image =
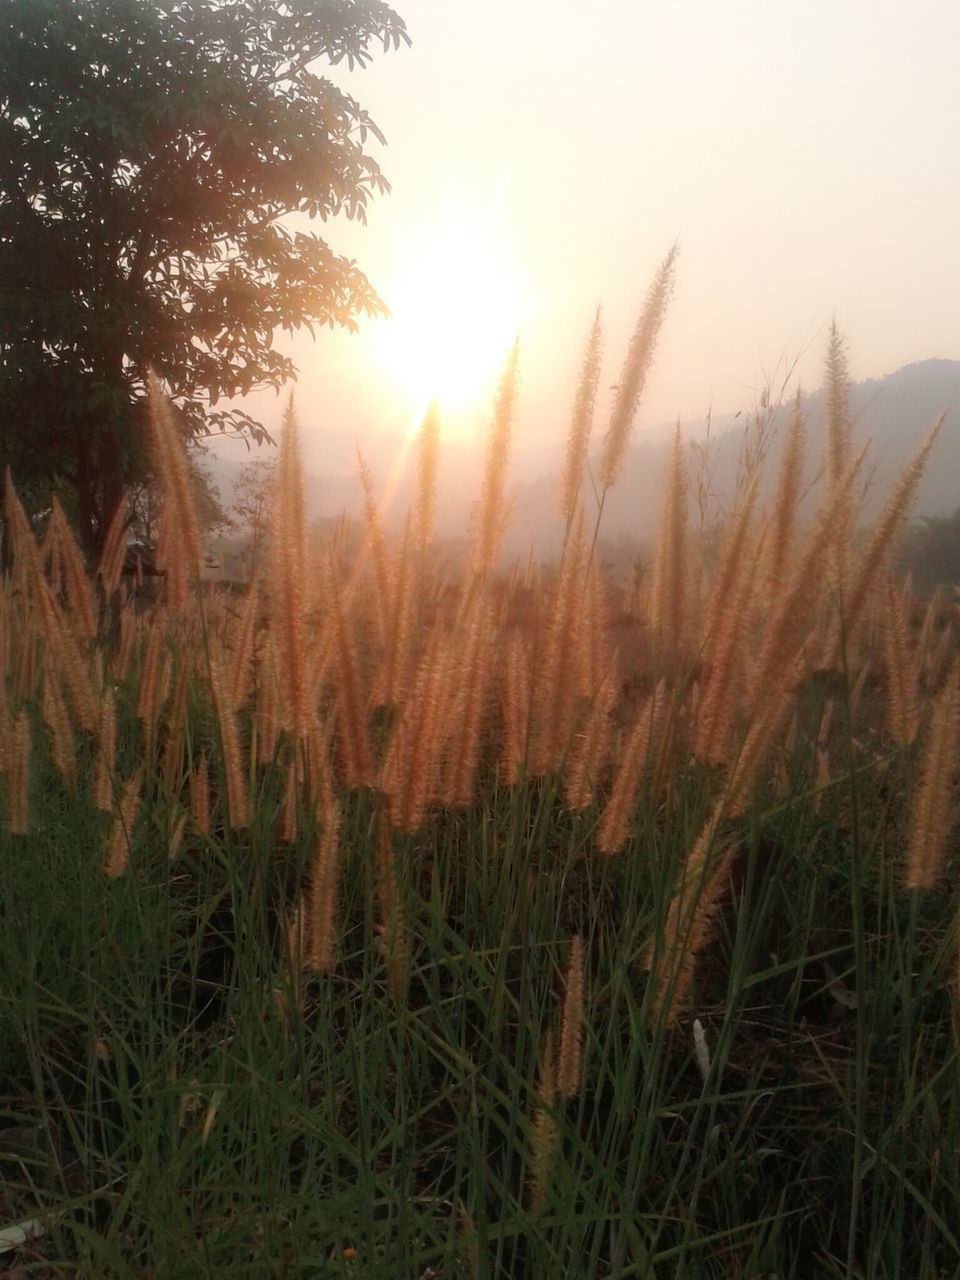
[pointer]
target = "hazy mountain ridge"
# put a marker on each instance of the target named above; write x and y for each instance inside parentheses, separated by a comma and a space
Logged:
(893, 412)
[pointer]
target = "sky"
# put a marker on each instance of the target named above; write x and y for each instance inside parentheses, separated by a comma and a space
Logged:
(804, 156)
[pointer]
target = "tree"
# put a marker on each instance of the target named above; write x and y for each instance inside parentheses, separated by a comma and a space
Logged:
(151, 154)
(252, 500)
(930, 551)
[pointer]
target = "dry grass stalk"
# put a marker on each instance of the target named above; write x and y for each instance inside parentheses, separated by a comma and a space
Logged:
(238, 808)
(838, 457)
(885, 531)
(103, 778)
(427, 456)
(558, 680)
(635, 370)
(117, 854)
(468, 708)
(76, 582)
(398, 611)
(689, 922)
(63, 747)
(543, 1135)
(353, 749)
(569, 1051)
(393, 941)
(590, 747)
(903, 716)
(615, 822)
(199, 786)
(320, 904)
(515, 706)
(17, 761)
(783, 524)
(791, 612)
(581, 425)
(147, 698)
(240, 676)
(288, 579)
(179, 546)
(490, 513)
(113, 552)
(933, 807)
(723, 682)
(376, 543)
(411, 763)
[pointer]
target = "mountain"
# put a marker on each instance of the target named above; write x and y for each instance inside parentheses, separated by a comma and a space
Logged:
(892, 412)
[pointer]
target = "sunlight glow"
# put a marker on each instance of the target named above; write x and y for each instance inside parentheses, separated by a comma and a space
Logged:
(455, 311)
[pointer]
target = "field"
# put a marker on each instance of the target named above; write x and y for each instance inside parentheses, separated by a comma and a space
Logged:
(372, 923)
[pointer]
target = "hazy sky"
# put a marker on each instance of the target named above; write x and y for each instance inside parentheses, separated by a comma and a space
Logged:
(805, 155)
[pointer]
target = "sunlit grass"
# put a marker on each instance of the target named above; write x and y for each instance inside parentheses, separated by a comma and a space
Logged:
(376, 924)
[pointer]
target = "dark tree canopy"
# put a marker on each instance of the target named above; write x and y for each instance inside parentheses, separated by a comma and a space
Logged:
(150, 154)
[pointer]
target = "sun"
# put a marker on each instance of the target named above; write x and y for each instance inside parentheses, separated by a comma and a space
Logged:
(455, 312)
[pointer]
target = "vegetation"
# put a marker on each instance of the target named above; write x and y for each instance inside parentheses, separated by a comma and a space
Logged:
(150, 157)
(375, 924)
(930, 552)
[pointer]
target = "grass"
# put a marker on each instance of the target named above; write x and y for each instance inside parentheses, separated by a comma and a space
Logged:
(531, 927)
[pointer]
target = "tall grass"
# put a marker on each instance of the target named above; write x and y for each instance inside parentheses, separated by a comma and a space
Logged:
(521, 925)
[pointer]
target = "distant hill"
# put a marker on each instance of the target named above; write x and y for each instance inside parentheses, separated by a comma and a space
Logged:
(893, 412)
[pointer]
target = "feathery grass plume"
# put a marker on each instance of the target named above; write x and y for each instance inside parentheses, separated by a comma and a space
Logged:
(112, 554)
(412, 759)
(581, 425)
(82, 606)
(179, 546)
(688, 925)
(555, 693)
(288, 579)
(428, 440)
(103, 777)
(175, 731)
(240, 676)
(788, 626)
(670, 566)
(117, 854)
(838, 456)
(615, 822)
(479, 646)
(320, 898)
(374, 540)
(781, 529)
(489, 526)
(63, 747)
(724, 646)
(238, 810)
(515, 706)
(267, 709)
(590, 748)
(885, 531)
(635, 370)
(199, 786)
(903, 717)
(28, 577)
(569, 1050)
(933, 806)
(64, 654)
(543, 1134)
(18, 776)
(354, 752)
(147, 698)
(397, 609)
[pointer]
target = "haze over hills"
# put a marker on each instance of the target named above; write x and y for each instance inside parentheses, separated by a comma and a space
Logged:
(893, 412)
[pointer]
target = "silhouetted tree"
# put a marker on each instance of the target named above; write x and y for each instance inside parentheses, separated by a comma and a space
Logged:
(151, 152)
